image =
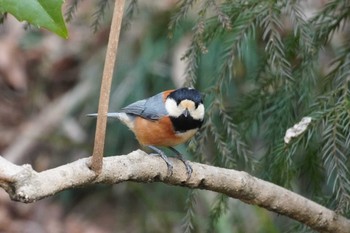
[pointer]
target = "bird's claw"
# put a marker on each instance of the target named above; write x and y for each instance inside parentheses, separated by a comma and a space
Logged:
(189, 169)
(170, 168)
(165, 158)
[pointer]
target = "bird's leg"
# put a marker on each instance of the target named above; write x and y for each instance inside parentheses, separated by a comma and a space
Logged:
(164, 157)
(189, 169)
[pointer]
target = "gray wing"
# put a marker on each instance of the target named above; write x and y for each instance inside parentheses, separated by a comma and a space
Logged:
(152, 108)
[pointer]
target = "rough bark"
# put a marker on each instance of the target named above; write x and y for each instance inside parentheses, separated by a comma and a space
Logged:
(26, 185)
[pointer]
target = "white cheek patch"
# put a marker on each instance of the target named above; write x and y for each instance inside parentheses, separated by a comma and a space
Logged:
(172, 108)
(198, 113)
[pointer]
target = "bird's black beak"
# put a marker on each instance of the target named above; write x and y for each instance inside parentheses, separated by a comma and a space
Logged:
(186, 113)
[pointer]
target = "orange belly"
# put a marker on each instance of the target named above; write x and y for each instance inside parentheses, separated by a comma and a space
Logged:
(159, 133)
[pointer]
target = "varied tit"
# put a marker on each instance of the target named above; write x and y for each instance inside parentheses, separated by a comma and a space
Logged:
(167, 119)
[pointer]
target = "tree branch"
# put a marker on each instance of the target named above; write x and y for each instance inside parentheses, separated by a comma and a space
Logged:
(26, 185)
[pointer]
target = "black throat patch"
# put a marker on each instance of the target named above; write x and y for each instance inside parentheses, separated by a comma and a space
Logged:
(182, 124)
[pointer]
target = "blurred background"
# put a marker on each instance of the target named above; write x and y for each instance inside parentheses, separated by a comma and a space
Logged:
(48, 85)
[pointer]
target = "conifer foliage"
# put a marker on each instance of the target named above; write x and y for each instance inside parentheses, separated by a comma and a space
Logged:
(276, 64)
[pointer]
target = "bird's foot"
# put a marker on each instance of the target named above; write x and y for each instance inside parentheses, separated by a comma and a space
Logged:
(189, 169)
(165, 158)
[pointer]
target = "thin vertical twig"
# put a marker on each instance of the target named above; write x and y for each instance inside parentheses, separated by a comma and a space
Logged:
(97, 155)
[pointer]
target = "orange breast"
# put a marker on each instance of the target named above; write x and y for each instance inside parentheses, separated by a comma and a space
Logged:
(158, 133)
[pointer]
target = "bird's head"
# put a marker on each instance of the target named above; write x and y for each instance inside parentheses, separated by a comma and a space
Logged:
(185, 103)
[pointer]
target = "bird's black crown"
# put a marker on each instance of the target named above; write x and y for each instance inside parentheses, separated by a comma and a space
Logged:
(186, 93)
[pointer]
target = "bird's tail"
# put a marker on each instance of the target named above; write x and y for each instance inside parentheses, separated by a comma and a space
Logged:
(127, 119)
(91, 115)
(110, 115)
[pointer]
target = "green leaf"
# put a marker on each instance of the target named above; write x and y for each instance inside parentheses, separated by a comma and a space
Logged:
(40, 13)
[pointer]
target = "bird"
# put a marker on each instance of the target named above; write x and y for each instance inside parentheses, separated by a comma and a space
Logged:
(166, 119)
